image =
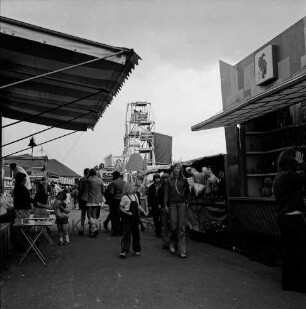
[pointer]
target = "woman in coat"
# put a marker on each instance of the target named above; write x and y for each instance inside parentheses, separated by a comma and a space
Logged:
(175, 200)
(95, 201)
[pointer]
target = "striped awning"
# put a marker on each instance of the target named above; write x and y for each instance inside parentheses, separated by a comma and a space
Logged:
(282, 95)
(58, 80)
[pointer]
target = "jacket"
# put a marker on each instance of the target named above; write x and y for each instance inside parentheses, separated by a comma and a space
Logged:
(115, 188)
(95, 190)
(83, 189)
(153, 197)
(176, 190)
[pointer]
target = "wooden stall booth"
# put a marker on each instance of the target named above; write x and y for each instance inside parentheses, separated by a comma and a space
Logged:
(207, 211)
(264, 112)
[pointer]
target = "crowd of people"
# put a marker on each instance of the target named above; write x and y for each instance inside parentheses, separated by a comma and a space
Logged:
(167, 201)
(125, 207)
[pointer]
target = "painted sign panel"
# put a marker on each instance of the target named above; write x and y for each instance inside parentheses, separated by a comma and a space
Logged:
(265, 68)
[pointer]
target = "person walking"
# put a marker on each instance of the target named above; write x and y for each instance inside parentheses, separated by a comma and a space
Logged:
(165, 224)
(62, 214)
(83, 198)
(115, 190)
(153, 205)
(288, 191)
(108, 201)
(96, 190)
(175, 200)
(130, 207)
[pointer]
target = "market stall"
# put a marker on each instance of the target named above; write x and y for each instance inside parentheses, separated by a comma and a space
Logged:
(56, 80)
(207, 211)
(264, 112)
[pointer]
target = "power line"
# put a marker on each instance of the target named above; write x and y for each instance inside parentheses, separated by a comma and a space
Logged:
(72, 147)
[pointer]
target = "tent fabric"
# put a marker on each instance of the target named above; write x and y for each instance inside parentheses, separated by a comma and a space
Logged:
(193, 161)
(286, 94)
(162, 148)
(56, 168)
(73, 98)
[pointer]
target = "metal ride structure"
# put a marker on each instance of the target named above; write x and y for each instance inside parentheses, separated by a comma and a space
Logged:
(139, 131)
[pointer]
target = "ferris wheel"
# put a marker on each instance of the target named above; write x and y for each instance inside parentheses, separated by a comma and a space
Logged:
(139, 131)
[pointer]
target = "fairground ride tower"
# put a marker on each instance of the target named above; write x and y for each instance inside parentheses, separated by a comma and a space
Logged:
(139, 131)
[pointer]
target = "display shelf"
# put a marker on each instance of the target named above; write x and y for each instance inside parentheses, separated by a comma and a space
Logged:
(264, 138)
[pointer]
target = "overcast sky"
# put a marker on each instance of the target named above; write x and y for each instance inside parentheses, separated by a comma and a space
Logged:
(180, 43)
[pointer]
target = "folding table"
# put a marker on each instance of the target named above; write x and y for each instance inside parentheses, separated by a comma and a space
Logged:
(41, 224)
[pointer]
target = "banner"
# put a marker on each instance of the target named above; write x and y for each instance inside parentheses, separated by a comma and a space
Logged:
(162, 148)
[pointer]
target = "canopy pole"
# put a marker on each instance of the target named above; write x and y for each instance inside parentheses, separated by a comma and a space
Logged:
(59, 70)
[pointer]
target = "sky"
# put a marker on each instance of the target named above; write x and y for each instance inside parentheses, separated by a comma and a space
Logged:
(180, 43)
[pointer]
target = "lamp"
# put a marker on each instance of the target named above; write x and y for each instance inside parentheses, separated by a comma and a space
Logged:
(32, 144)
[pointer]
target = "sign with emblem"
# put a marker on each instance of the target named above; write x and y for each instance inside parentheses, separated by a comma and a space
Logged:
(265, 67)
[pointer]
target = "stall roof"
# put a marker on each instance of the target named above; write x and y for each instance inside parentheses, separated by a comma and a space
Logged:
(190, 162)
(58, 80)
(26, 161)
(285, 94)
(56, 168)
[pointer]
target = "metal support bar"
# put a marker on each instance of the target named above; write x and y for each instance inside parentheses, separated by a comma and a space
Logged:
(39, 144)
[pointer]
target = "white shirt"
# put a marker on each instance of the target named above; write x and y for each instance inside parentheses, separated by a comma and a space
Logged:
(126, 202)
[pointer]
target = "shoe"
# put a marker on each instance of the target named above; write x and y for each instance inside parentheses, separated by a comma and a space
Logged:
(143, 229)
(66, 243)
(122, 255)
(94, 234)
(81, 233)
(60, 243)
(172, 249)
(183, 255)
(137, 253)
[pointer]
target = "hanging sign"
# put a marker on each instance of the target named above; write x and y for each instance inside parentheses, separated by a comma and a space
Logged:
(265, 67)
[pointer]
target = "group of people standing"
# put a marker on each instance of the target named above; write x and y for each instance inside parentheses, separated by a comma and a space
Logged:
(124, 207)
(168, 196)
